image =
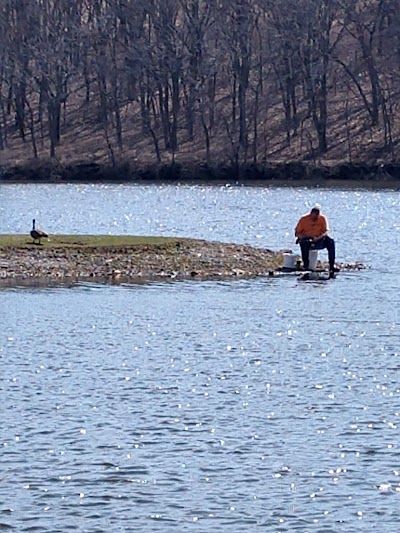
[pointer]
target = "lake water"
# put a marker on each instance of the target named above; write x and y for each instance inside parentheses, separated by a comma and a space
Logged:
(269, 404)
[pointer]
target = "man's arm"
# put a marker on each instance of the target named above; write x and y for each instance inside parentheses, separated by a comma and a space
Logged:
(324, 229)
(320, 237)
(299, 231)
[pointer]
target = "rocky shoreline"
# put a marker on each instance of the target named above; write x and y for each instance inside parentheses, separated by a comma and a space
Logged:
(186, 259)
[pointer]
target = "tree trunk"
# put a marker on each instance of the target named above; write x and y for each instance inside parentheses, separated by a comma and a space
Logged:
(144, 106)
(175, 110)
(243, 84)
(374, 80)
(234, 98)
(102, 85)
(54, 112)
(156, 145)
(206, 134)
(20, 99)
(3, 131)
(212, 84)
(32, 130)
(163, 97)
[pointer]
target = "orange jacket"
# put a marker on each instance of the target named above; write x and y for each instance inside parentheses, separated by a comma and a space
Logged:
(312, 228)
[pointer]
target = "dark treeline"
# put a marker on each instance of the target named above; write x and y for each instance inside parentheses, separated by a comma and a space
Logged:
(201, 73)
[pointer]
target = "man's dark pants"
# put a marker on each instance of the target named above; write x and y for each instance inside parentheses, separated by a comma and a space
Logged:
(327, 242)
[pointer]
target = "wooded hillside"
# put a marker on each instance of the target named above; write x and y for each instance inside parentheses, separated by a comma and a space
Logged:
(147, 81)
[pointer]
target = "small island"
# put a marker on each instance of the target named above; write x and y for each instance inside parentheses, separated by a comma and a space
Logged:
(134, 259)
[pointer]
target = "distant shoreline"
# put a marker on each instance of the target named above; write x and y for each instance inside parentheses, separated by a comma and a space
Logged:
(282, 174)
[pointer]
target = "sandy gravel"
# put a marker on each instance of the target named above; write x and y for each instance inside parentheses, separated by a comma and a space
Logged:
(192, 260)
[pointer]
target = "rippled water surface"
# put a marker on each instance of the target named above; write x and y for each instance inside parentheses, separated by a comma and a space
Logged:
(270, 404)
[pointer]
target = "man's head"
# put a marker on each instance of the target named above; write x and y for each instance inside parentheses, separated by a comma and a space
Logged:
(315, 211)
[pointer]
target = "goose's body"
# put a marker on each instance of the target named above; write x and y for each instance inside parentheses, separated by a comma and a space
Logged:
(37, 233)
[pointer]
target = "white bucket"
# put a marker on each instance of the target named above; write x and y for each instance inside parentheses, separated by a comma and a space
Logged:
(312, 259)
(289, 260)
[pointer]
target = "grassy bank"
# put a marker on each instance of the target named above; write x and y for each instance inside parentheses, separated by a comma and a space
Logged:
(134, 259)
(86, 242)
(130, 257)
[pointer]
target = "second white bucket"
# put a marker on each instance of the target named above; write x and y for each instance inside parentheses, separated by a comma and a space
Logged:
(312, 259)
(289, 260)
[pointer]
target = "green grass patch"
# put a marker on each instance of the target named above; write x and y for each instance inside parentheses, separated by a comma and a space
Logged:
(88, 241)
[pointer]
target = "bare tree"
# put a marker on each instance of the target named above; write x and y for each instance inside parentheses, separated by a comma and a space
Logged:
(284, 49)
(362, 19)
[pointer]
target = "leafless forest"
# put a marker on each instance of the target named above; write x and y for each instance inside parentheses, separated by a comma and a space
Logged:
(236, 81)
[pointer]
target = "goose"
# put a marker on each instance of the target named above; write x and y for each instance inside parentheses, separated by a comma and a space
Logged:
(37, 234)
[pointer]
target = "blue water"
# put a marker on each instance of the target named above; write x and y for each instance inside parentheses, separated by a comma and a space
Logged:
(268, 404)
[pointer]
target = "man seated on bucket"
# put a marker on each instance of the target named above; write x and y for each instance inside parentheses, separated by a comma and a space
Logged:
(312, 234)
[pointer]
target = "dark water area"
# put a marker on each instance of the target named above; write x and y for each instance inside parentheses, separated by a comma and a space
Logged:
(267, 404)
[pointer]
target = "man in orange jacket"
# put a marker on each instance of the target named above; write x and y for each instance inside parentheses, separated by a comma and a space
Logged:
(312, 234)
